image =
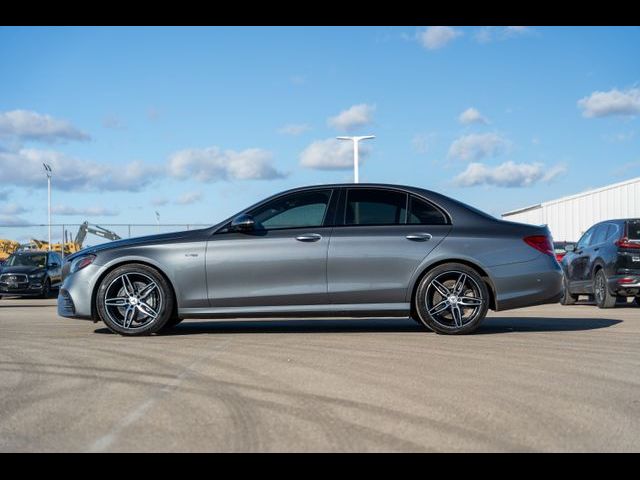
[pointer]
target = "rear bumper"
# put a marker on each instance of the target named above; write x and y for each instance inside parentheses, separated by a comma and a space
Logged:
(629, 289)
(526, 284)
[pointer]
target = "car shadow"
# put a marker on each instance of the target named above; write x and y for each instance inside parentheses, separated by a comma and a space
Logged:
(377, 325)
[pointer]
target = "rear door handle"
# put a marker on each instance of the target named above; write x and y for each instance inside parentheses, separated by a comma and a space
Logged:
(419, 237)
(309, 237)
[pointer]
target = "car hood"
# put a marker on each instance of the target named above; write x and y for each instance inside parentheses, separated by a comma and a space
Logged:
(127, 242)
(25, 270)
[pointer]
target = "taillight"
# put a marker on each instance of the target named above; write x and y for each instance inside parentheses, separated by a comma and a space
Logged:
(625, 243)
(542, 243)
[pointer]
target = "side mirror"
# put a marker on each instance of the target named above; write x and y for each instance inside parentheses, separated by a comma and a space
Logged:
(570, 247)
(243, 223)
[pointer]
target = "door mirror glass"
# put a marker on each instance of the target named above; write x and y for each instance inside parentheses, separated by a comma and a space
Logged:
(570, 247)
(243, 223)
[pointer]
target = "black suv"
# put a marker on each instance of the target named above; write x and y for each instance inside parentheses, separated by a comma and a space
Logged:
(30, 273)
(605, 264)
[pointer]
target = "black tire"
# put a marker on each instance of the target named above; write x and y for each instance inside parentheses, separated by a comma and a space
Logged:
(470, 300)
(567, 298)
(602, 296)
(172, 322)
(46, 289)
(134, 300)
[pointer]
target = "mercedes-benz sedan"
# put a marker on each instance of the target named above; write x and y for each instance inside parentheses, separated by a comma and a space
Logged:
(352, 250)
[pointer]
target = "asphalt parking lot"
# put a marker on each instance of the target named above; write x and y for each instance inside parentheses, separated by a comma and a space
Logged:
(548, 378)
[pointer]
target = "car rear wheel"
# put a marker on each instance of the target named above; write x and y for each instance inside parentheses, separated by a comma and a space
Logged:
(603, 297)
(567, 298)
(452, 299)
(134, 300)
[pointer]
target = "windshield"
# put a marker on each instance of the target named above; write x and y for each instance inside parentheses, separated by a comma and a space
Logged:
(634, 230)
(38, 260)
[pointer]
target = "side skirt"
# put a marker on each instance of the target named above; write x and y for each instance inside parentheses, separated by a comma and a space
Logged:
(301, 311)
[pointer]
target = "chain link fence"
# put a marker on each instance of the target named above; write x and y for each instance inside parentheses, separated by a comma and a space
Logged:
(68, 232)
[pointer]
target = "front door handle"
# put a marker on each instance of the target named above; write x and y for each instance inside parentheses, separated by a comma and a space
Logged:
(419, 237)
(309, 237)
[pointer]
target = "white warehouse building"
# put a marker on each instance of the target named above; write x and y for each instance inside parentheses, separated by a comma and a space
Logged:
(569, 217)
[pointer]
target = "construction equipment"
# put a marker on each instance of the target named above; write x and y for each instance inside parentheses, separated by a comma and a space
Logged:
(7, 247)
(96, 230)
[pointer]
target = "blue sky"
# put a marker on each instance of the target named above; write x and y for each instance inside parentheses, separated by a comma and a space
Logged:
(197, 123)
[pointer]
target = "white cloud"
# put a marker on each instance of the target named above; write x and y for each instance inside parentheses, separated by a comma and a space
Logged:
(28, 125)
(613, 102)
(113, 122)
(24, 167)
(331, 154)
(12, 220)
(422, 142)
(188, 198)
(212, 163)
(65, 210)
(489, 34)
(13, 209)
(626, 168)
(471, 115)
(433, 38)
(294, 129)
(352, 118)
(477, 146)
(508, 174)
(159, 202)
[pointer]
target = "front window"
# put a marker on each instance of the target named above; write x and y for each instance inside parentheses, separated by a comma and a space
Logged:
(298, 210)
(39, 260)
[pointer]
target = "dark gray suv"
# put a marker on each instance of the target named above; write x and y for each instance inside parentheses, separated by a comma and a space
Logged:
(354, 250)
(605, 263)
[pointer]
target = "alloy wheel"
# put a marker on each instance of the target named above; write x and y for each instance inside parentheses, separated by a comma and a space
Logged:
(453, 299)
(133, 300)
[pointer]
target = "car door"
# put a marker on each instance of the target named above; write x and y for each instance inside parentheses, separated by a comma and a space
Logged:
(283, 262)
(55, 268)
(380, 238)
(577, 263)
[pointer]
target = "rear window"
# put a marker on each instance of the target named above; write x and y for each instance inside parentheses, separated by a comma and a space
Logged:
(633, 230)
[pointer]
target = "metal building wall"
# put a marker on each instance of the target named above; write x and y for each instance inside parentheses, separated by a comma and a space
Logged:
(569, 217)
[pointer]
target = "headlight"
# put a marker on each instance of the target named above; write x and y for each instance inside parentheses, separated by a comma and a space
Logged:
(37, 275)
(81, 262)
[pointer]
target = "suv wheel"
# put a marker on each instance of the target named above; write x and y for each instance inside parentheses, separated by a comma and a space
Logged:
(134, 300)
(452, 299)
(603, 297)
(46, 289)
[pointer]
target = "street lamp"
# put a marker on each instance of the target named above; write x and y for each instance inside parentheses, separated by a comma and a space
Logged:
(48, 172)
(356, 158)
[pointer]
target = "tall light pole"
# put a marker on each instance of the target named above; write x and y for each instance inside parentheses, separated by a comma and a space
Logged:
(47, 170)
(356, 156)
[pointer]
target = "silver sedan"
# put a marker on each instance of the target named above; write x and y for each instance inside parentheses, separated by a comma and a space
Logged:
(352, 250)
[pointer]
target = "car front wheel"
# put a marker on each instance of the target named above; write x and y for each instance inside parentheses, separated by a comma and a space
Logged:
(134, 300)
(602, 296)
(452, 299)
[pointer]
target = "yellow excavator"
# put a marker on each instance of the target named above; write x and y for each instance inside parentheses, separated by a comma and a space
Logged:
(7, 247)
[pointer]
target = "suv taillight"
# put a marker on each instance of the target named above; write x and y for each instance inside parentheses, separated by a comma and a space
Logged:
(542, 243)
(625, 243)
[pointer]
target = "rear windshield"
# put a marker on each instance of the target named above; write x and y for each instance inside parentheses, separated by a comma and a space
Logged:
(633, 229)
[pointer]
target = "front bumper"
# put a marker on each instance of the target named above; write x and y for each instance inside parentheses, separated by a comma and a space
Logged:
(526, 284)
(34, 288)
(75, 295)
